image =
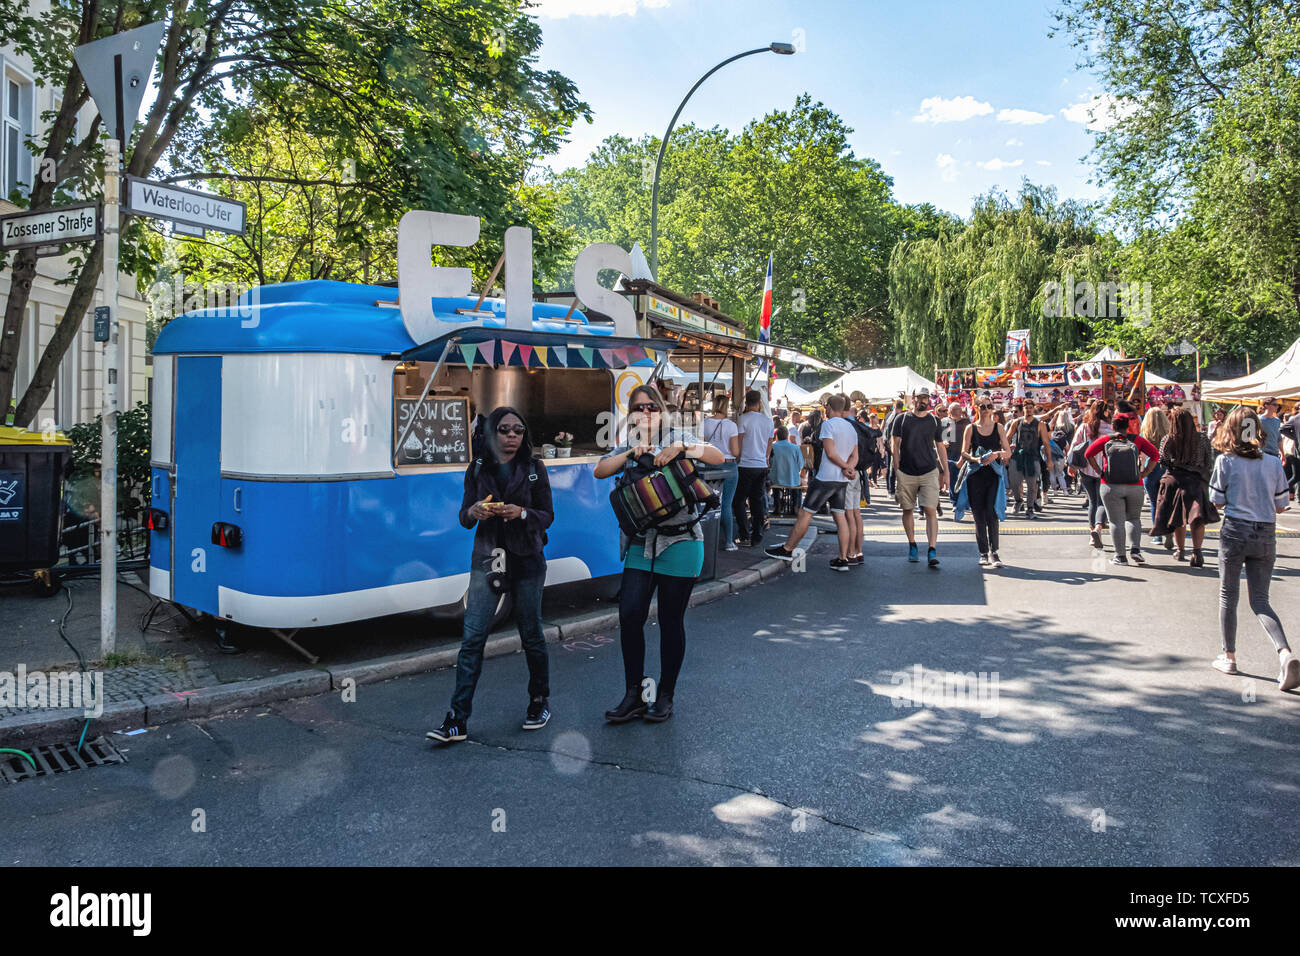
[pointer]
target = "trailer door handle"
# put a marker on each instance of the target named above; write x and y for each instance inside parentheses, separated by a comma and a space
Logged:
(239, 497)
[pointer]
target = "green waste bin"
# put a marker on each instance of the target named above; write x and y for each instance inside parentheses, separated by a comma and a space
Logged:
(32, 469)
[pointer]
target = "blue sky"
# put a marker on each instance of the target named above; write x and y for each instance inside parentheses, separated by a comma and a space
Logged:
(997, 98)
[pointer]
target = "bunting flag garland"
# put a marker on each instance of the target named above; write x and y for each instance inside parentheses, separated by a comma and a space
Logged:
(526, 352)
(585, 351)
(561, 355)
(507, 350)
(487, 351)
(607, 356)
(468, 352)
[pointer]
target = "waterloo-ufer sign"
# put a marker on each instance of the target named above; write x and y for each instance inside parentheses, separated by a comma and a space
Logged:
(186, 206)
(51, 227)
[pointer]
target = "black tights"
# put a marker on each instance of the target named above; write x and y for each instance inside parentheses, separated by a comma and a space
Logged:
(634, 607)
(982, 491)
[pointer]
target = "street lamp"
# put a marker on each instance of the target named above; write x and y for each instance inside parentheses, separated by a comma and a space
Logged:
(785, 49)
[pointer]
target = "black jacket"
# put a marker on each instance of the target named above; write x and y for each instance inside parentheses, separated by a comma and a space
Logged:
(524, 536)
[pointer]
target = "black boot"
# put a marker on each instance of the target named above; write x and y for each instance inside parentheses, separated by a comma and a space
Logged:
(629, 707)
(660, 710)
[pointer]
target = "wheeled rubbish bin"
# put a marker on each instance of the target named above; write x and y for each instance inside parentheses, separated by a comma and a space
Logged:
(32, 468)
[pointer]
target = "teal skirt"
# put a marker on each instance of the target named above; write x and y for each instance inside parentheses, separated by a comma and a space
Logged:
(685, 559)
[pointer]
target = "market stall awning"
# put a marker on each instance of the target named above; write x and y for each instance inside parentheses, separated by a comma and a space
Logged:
(1281, 377)
(738, 345)
(502, 348)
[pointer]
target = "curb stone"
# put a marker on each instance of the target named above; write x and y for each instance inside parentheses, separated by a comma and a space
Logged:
(38, 727)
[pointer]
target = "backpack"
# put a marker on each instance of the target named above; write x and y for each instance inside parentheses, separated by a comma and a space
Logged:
(866, 445)
(646, 497)
(1121, 464)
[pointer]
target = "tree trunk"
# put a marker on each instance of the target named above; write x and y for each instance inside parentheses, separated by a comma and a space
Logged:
(64, 333)
(20, 287)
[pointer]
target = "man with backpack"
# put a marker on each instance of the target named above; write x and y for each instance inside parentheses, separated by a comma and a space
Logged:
(1122, 473)
(1029, 437)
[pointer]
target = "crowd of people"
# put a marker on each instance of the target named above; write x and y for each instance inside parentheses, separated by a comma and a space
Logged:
(1242, 470)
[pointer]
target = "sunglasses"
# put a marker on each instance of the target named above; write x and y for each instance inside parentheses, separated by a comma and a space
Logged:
(510, 429)
(645, 407)
(986, 408)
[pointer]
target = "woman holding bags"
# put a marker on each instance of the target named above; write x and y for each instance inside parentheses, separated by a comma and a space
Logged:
(667, 559)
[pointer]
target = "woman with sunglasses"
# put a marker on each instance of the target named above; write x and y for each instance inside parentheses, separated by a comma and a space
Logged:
(666, 559)
(508, 502)
(983, 444)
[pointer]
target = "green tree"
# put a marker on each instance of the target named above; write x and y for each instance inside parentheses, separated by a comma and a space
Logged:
(429, 104)
(1203, 164)
(955, 294)
(789, 185)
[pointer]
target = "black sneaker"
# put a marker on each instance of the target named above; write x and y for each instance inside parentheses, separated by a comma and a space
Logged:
(779, 552)
(1137, 557)
(1096, 540)
(840, 564)
(538, 714)
(1019, 509)
(1031, 515)
(1119, 559)
(451, 730)
(857, 559)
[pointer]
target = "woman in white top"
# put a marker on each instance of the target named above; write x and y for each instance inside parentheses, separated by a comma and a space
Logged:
(721, 432)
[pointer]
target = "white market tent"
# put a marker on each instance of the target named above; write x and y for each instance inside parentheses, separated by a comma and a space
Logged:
(1281, 377)
(785, 390)
(881, 385)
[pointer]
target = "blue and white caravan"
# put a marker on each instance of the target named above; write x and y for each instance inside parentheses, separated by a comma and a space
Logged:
(309, 453)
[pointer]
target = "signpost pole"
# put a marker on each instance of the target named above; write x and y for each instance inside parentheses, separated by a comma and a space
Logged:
(109, 407)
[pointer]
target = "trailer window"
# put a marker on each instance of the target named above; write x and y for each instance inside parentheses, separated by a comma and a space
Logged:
(574, 401)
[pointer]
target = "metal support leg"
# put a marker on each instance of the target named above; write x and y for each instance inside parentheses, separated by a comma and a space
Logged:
(287, 637)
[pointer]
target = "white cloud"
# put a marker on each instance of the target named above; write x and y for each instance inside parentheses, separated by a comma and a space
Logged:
(1101, 112)
(947, 167)
(1042, 162)
(1014, 142)
(996, 164)
(1023, 117)
(935, 109)
(560, 9)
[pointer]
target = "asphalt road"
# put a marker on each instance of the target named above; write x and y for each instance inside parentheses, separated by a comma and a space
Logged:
(1110, 739)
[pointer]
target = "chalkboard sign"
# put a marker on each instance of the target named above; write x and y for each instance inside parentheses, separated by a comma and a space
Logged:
(439, 435)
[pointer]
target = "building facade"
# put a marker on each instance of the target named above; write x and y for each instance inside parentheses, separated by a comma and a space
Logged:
(75, 396)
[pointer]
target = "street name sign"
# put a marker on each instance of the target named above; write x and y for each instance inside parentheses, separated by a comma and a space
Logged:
(51, 227)
(186, 206)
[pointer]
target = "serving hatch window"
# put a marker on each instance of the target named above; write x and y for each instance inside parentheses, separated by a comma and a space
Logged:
(554, 401)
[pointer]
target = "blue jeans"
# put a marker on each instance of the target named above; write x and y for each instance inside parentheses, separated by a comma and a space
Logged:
(1253, 545)
(481, 609)
(726, 519)
(1152, 483)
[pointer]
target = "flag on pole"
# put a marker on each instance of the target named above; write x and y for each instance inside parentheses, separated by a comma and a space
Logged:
(765, 324)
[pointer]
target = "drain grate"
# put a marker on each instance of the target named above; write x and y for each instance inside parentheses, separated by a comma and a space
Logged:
(60, 758)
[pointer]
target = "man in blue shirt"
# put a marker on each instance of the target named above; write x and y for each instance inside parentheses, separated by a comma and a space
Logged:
(1272, 426)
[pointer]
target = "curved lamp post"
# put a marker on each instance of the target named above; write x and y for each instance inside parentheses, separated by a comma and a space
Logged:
(785, 49)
